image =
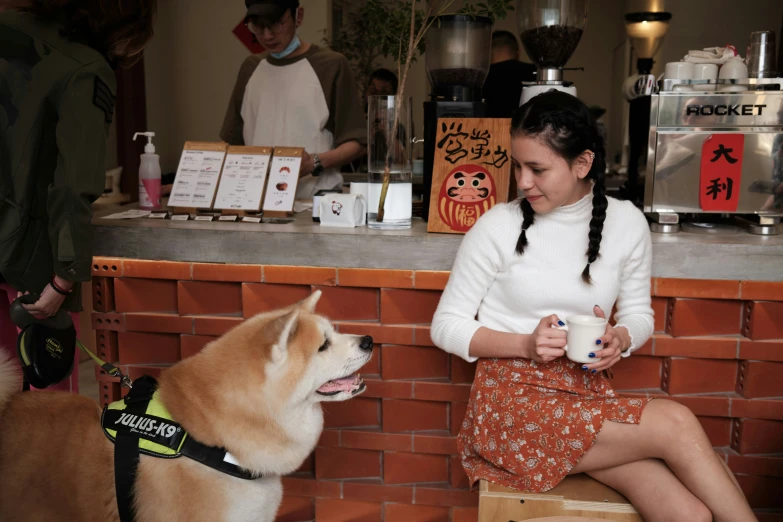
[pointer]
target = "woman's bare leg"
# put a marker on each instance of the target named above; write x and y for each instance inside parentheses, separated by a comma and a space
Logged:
(670, 432)
(654, 491)
(730, 473)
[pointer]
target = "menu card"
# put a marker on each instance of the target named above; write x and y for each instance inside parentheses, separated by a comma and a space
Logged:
(242, 182)
(198, 174)
(283, 178)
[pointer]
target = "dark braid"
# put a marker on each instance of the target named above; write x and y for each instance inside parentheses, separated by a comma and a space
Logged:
(600, 203)
(528, 217)
(566, 125)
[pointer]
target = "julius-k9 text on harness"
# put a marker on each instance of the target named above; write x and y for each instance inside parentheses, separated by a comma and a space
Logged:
(140, 423)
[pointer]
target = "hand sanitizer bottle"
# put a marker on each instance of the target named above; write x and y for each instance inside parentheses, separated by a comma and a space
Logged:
(149, 175)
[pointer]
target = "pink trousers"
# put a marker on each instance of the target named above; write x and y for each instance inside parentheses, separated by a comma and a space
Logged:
(9, 333)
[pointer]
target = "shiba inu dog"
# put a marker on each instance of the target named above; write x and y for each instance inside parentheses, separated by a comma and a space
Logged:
(256, 391)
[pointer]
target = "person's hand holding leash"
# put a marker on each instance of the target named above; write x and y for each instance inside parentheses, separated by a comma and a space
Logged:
(50, 301)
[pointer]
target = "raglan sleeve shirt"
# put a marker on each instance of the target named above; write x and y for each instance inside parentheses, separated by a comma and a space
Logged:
(346, 120)
(233, 123)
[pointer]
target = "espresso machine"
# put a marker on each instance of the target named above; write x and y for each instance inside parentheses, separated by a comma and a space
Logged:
(550, 31)
(715, 149)
(457, 62)
(715, 156)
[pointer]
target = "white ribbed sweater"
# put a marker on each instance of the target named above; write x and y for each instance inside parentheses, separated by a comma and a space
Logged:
(493, 286)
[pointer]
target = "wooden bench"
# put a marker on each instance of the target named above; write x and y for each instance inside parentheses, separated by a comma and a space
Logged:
(576, 496)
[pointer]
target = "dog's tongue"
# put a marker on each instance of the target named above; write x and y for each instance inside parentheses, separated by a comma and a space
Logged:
(338, 385)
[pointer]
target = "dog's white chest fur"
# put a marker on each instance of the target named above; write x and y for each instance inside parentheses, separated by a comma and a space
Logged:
(201, 493)
(256, 501)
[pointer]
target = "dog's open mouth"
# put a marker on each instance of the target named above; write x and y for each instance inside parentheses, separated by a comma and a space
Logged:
(351, 384)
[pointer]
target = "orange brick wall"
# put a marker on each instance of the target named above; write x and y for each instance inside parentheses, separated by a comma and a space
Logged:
(391, 454)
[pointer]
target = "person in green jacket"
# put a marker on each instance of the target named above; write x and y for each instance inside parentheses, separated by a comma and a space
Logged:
(57, 93)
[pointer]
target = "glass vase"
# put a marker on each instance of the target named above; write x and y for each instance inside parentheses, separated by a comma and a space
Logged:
(389, 157)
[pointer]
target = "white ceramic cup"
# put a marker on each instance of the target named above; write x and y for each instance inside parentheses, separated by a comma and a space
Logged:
(583, 331)
(678, 71)
(343, 210)
(733, 70)
(705, 71)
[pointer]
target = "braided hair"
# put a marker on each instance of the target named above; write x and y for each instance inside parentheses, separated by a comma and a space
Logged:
(565, 124)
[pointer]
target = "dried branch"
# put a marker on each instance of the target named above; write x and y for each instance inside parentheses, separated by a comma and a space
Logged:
(435, 8)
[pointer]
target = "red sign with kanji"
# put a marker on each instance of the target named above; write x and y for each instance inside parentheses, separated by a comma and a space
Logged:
(721, 172)
(247, 38)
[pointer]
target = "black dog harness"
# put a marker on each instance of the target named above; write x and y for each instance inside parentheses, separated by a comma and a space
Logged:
(141, 424)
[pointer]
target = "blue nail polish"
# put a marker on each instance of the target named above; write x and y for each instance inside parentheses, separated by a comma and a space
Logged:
(598, 341)
(592, 355)
(593, 371)
(584, 367)
(561, 323)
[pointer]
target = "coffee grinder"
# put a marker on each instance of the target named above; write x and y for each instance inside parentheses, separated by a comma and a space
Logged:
(550, 30)
(457, 62)
(646, 31)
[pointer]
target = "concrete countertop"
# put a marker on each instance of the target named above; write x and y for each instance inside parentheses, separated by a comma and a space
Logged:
(303, 243)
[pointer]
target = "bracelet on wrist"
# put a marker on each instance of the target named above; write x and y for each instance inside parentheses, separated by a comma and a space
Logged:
(56, 287)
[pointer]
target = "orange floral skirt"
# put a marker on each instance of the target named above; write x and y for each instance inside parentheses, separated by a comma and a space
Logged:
(528, 424)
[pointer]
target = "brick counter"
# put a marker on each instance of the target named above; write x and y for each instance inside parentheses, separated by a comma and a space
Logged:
(718, 348)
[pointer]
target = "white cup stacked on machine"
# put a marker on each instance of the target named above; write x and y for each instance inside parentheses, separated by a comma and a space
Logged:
(733, 70)
(705, 71)
(692, 71)
(679, 71)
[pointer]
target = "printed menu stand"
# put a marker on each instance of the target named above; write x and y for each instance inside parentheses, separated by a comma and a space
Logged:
(242, 181)
(197, 179)
(283, 179)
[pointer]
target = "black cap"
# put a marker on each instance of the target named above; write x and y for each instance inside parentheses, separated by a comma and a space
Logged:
(270, 10)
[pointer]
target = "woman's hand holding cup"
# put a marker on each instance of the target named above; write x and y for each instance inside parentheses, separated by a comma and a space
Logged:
(612, 344)
(546, 343)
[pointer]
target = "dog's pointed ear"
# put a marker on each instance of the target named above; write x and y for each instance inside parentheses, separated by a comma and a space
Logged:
(309, 303)
(286, 325)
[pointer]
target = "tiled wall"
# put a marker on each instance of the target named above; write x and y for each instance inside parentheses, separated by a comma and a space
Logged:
(718, 348)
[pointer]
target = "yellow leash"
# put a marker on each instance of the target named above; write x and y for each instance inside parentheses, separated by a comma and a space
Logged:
(112, 370)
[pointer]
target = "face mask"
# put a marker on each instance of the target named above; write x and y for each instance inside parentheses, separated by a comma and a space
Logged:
(293, 46)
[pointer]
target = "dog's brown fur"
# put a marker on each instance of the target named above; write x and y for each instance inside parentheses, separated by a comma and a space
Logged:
(243, 392)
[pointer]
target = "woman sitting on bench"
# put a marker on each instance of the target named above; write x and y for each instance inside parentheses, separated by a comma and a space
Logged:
(534, 415)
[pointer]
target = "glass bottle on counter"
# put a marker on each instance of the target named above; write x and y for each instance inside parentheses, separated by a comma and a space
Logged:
(398, 208)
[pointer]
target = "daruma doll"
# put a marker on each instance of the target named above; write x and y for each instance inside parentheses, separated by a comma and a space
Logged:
(467, 193)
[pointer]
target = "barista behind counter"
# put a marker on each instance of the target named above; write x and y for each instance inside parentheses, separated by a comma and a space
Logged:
(298, 95)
